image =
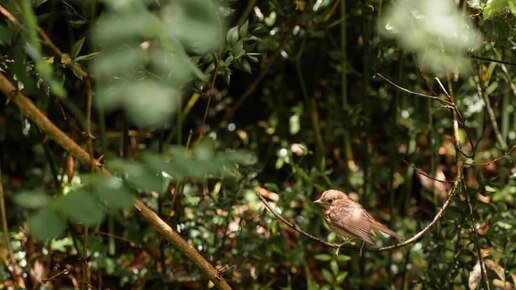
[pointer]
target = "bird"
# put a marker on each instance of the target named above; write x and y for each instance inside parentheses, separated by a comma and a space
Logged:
(349, 219)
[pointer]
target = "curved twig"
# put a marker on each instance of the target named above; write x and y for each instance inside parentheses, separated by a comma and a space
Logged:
(421, 172)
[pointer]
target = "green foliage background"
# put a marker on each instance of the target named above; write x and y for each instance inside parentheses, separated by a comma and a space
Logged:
(194, 103)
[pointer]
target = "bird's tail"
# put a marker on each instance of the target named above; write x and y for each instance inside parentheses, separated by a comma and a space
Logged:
(384, 229)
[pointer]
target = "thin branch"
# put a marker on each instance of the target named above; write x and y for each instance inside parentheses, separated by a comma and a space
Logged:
(440, 100)
(214, 78)
(54, 133)
(475, 239)
(490, 111)
(458, 119)
(492, 60)
(485, 163)
(506, 74)
(421, 172)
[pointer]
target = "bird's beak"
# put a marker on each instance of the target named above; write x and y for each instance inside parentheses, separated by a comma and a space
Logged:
(318, 201)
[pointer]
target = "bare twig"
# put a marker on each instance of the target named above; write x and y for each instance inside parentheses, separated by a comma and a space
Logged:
(490, 111)
(421, 172)
(485, 163)
(440, 100)
(212, 85)
(458, 119)
(492, 60)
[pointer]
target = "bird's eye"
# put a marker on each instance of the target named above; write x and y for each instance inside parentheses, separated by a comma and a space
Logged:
(330, 200)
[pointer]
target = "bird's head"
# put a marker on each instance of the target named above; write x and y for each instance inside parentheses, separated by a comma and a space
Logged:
(329, 197)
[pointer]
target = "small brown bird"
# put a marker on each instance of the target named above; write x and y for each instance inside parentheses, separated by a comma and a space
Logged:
(349, 219)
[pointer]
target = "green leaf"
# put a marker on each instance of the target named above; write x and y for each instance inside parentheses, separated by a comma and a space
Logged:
(341, 277)
(245, 66)
(46, 224)
(87, 56)
(31, 199)
(76, 47)
(323, 257)
(244, 28)
(232, 36)
(334, 267)
(194, 22)
(205, 149)
(328, 276)
(112, 191)
(80, 207)
(512, 6)
(138, 175)
(495, 7)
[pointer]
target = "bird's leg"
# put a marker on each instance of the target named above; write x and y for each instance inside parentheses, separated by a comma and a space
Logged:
(361, 248)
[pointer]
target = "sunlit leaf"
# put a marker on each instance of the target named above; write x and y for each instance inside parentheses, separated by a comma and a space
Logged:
(437, 31)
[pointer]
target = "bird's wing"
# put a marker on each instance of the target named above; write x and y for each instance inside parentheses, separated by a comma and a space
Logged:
(354, 221)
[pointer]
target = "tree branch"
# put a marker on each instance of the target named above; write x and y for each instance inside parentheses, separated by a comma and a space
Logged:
(54, 133)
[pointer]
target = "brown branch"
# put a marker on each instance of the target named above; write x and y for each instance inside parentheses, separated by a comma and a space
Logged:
(485, 163)
(54, 133)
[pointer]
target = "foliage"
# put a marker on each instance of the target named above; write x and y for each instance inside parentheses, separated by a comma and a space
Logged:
(191, 104)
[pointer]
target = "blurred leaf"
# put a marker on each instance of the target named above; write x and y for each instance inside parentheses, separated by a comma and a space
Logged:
(138, 175)
(494, 7)
(205, 149)
(31, 199)
(194, 23)
(334, 268)
(323, 257)
(116, 29)
(147, 103)
(80, 207)
(438, 32)
(328, 276)
(244, 28)
(46, 224)
(112, 191)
